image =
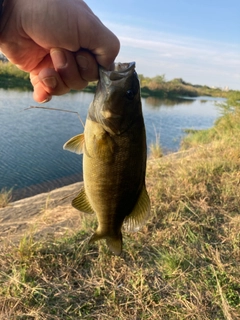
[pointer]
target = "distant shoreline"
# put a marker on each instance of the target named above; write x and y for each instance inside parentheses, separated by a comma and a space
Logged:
(13, 78)
(13, 83)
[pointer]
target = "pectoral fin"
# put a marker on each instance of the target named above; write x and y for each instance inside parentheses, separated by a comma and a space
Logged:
(75, 144)
(81, 202)
(140, 214)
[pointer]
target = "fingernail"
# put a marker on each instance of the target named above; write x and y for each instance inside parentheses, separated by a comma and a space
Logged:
(59, 59)
(46, 100)
(82, 62)
(50, 82)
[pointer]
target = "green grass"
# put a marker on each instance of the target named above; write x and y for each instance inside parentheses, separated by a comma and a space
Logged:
(184, 264)
(225, 128)
(13, 78)
(158, 86)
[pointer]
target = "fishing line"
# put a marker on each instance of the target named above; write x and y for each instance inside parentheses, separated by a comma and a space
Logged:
(56, 109)
(63, 110)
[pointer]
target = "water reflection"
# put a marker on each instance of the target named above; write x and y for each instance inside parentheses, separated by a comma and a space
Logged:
(168, 119)
(157, 102)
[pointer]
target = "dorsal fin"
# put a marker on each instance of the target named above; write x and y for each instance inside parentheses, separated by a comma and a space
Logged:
(81, 202)
(140, 213)
(75, 144)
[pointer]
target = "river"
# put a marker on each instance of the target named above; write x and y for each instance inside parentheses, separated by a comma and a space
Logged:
(31, 156)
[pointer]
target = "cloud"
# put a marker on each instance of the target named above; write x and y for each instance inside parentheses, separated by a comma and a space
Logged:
(195, 60)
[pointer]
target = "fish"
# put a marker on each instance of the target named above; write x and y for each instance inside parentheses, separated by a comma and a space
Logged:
(114, 151)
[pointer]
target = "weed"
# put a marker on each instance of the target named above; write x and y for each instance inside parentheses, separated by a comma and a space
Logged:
(155, 148)
(5, 197)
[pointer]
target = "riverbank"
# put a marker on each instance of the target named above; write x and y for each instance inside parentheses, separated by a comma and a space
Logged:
(28, 215)
(185, 261)
(44, 214)
(23, 215)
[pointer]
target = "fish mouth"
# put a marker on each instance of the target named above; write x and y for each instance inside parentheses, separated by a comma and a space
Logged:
(112, 82)
(112, 105)
(116, 72)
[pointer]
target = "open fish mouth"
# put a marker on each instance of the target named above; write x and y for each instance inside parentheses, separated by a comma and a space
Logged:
(116, 97)
(117, 71)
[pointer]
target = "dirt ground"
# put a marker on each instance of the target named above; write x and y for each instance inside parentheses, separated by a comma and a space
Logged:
(44, 215)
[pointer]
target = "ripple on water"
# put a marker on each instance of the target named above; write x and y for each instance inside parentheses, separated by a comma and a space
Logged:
(31, 156)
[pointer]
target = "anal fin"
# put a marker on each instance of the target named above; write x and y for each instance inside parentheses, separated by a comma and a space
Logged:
(140, 213)
(81, 202)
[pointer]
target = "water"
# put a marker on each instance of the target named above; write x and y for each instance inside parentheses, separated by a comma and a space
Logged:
(31, 156)
(169, 118)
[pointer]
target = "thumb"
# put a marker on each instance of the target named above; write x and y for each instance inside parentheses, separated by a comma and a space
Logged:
(104, 45)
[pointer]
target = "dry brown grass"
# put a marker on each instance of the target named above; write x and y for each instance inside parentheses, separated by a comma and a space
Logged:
(184, 264)
(155, 148)
(5, 197)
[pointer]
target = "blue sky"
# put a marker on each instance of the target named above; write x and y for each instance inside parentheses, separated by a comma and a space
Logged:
(198, 41)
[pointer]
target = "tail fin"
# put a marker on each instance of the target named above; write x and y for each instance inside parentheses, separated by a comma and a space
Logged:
(114, 243)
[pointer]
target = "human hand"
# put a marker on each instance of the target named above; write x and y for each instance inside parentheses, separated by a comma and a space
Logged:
(60, 43)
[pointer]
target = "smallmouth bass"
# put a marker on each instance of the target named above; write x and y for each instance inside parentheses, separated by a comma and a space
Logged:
(114, 157)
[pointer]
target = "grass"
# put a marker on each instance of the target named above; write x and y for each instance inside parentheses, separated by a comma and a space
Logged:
(5, 197)
(225, 128)
(158, 86)
(13, 78)
(155, 148)
(184, 264)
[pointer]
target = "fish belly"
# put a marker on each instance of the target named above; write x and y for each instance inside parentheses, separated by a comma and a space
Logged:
(114, 172)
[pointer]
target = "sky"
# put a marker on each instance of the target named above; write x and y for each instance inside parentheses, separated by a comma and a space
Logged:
(196, 40)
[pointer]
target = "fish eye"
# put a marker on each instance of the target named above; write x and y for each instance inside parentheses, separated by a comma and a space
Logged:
(130, 94)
